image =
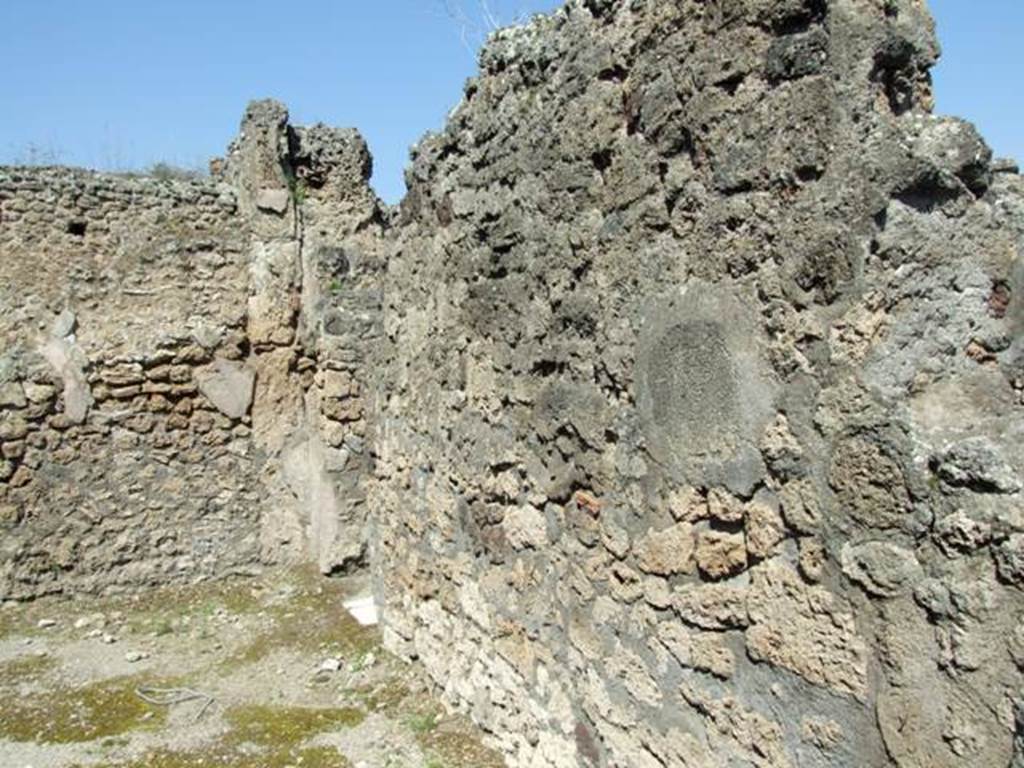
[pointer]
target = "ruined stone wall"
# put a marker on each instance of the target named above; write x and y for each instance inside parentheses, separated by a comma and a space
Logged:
(315, 257)
(690, 376)
(117, 295)
(700, 403)
(150, 351)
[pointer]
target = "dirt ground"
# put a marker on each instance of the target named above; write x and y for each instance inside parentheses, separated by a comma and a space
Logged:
(268, 672)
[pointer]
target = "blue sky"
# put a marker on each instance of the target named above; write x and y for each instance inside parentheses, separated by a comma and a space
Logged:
(979, 75)
(121, 84)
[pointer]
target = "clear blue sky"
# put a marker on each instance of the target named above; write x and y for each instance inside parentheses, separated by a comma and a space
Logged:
(121, 84)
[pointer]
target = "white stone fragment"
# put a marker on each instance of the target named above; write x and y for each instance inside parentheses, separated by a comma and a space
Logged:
(363, 610)
(330, 665)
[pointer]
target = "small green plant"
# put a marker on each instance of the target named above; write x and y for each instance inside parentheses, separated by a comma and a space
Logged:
(299, 190)
(163, 627)
(335, 286)
(423, 722)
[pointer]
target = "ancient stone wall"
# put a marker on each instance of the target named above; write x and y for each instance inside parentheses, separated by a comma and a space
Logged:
(689, 375)
(150, 350)
(117, 294)
(700, 402)
(315, 255)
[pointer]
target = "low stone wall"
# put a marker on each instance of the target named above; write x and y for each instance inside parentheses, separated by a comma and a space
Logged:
(166, 397)
(700, 412)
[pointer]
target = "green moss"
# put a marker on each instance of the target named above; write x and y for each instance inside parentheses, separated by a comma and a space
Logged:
(299, 612)
(423, 722)
(156, 611)
(313, 620)
(165, 611)
(25, 669)
(287, 726)
(264, 737)
(21, 620)
(163, 627)
(386, 696)
(87, 713)
(310, 757)
(321, 757)
(456, 748)
(299, 190)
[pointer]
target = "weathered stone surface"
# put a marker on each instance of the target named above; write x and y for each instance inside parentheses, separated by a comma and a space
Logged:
(68, 363)
(739, 734)
(701, 651)
(976, 464)
(273, 200)
(724, 507)
(805, 630)
(702, 387)
(880, 568)
(39, 393)
(228, 386)
(12, 395)
(712, 606)
(667, 552)
(765, 530)
(870, 484)
(525, 527)
(1009, 557)
(142, 324)
(954, 146)
(720, 554)
(708, 279)
(680, 397)
(64, 324)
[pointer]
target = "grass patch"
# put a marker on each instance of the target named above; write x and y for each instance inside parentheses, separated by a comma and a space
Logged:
(310, 757)
(296, 612)
(311, 621)
(423, 722)
(159, 611)
(457, 748)
(386, 696)
(7, 623)
(25, 669)
(87, 713)
(279, 727)
(20, 621)
(164, 613)
(264, 737)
